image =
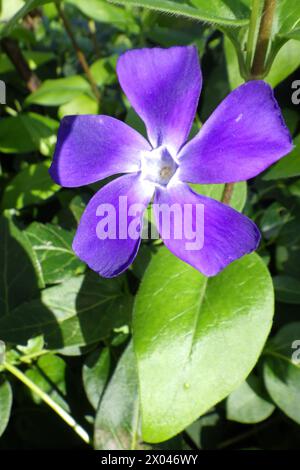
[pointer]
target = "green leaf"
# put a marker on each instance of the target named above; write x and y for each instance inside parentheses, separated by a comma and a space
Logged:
(249, 403)
(288, 166)
(55, 92)
(117, 425)
(287, 18)
(18, 278)
(214, 11)
(287, 289)
(282, 370)
(102, 11)
(286, 62)
(190, 334)
(95, 374)
(81, 104)
(215, 191)
(104, 70)
(6, 397)
(295, 34)
(78, 312)
(55, 258)
(28, 132)
(32, 185)
(49, 374)
(26, 8)
(33, 58)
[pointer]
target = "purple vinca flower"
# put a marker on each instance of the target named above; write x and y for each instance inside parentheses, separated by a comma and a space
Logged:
(244, 135)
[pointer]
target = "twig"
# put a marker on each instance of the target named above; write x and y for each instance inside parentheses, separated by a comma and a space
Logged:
(264, 34)
(80, 55)
(227, 193)
(14, 53)
(48, 400)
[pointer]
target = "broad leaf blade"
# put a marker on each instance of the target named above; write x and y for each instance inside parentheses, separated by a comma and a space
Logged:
(18, 280)
(203, 12)
(78, 312)
(117, 425)
(95, 374)
(52, 246)
(196, 339)
(282, 370)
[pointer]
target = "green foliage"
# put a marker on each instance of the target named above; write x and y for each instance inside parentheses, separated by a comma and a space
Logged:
(282, 372)
(161, 356)
(95, 374)
(5, 404)
(216, 11)
(249, 403)
(186, 331)
(117, 425)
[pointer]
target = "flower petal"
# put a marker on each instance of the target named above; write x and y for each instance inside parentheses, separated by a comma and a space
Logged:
(111, 256)
(244, 135)
(90, 148)
(226, 234)
(163, 86)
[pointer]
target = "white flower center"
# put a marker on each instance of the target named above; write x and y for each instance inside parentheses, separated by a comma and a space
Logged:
(158, 166)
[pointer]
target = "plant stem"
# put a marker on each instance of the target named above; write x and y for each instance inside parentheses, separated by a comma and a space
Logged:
(80, 55)
(258, 67)
(227, 193)
(252, 30)
(247, 434)
(264, 34)
(47, 399)
(14, 53)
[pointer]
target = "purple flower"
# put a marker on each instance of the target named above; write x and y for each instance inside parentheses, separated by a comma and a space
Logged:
(244, 135)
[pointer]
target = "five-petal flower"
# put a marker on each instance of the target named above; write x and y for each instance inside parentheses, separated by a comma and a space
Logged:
(244, 135)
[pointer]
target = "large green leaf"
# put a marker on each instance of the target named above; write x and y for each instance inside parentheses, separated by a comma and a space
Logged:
(78, 312)
(216, 11)
(117, 425)
(282, 373)
(95, 374)
(249, 403)
(102, 11)
(33, 131)
(196, 338)
(5, 404)
(18, 281)
(55, 92)
(55, 258)
(32, 185)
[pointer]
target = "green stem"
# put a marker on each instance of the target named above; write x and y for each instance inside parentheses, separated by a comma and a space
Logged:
(80, 55)
(27, 358)
(252, 31)
(45, 397)
(258, 69)
(263, 40)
